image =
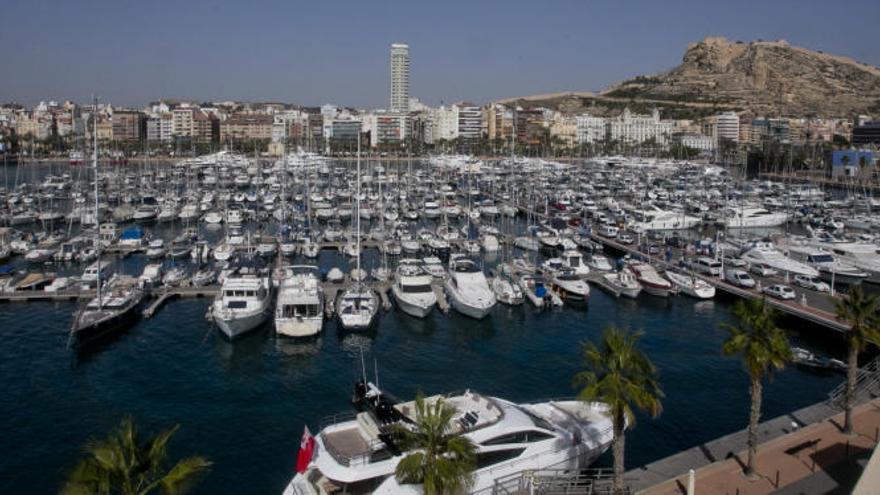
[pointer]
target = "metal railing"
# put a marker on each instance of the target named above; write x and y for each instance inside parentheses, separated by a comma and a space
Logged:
(867, 382)
(558, 482)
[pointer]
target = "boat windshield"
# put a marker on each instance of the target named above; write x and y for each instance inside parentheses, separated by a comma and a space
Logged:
(821, 258)
(416, 289)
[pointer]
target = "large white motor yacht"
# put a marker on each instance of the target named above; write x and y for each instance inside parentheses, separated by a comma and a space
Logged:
(412, 289)
(744, 218)
(657, 219)
(863, 255)
(763, 252)
(358, 455)
(299, 310)
(831, 268)
(468, 289)
(244, 302)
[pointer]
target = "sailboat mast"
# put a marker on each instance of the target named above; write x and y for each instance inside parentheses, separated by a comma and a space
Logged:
(358, 207)
(97, 220)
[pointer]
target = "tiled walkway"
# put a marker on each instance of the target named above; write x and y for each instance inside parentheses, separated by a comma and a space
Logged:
(785, 460)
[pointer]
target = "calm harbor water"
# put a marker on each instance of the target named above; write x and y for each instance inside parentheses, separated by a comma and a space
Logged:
(244, 403)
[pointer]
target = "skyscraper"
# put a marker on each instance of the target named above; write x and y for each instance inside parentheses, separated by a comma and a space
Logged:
(399, 77)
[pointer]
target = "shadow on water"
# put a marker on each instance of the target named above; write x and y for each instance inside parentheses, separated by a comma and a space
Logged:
(88, 350)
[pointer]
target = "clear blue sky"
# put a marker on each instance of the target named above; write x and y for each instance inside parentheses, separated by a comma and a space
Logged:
(312, 52)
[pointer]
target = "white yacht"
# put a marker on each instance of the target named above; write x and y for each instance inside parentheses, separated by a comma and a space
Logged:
(145, 213)
(623, 283)
(468, 289)
(657, 219)
(575, 261)
(751, 217)
(299, 309)
(863, 255)
(506, 291)
(357, 307)
(650, 280)
(412, 289)
(830, 267)
(244, 302)
(566, 279)
(99, 270)
(358, 455)
(763, 252)
(691, 285)
(598, 262)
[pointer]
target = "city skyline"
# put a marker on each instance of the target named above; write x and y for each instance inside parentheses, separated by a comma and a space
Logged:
(272, 51)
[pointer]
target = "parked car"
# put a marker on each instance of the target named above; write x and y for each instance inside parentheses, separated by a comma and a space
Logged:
(675, 241)
(653, 249)
(625, 238)
(739, 277)
(707, 266)
(762, 270)
(655, 235)
(780, 291)
(811, 283)
(733, 261)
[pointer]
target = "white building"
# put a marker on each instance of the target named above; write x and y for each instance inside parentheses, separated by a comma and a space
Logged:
(470, 121)
(727, 126)
(634, 129)
(697, 141)
(399, 78)
(445, 123)
(590, 129)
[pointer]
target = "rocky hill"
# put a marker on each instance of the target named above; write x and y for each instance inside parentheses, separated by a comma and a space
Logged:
(761, 78)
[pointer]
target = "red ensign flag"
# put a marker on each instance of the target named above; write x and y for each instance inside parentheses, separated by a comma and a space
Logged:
(306, 449)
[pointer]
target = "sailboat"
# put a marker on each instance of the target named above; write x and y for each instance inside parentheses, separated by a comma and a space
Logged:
(116, 301)
(358, 305)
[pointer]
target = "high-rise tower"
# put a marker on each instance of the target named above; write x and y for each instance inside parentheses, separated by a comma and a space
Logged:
(399, 77)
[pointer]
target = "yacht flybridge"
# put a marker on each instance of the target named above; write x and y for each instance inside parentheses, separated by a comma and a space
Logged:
(358, 453)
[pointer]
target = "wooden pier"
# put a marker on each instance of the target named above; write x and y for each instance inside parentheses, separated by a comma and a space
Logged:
(166, 293)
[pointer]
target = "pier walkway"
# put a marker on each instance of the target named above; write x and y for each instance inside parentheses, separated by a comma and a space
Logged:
(803, 449)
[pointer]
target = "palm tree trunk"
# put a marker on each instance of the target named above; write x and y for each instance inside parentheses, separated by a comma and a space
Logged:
(619, 440)
(852, 367)
(754, 417)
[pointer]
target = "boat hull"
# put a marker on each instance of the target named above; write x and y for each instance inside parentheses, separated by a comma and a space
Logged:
(238, 324)
(298, 327)
(413, 308)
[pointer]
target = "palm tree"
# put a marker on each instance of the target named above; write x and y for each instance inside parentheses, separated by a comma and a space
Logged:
(440, 460)
(125, 464)
(764, 348)
(620, 375)
(861, 312)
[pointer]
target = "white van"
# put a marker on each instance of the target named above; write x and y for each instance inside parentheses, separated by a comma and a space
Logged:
(707, 266)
